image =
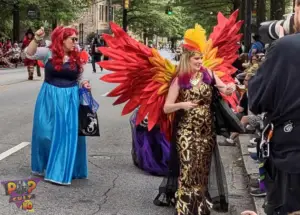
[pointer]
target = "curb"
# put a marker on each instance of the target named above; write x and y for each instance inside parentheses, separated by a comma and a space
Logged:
(251, 168)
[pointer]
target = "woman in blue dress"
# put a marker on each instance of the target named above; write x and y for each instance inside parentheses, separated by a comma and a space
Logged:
(57, 152)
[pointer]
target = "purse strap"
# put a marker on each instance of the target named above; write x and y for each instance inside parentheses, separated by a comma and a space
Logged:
(213, 79)
(216, 92)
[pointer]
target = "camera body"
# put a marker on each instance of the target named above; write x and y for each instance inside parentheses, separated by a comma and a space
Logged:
(269, 30)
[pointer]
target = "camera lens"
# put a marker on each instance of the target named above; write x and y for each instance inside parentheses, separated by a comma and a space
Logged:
(269, 31)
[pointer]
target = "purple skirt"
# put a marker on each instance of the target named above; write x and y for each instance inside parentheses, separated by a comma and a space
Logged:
(150, 149)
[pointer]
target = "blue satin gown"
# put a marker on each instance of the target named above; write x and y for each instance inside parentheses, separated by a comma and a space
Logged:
(57, 152)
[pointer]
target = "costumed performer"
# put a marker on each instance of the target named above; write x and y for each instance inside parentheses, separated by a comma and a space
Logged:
(57, 152)
(29, 63)
(159, 89)
(190, 96)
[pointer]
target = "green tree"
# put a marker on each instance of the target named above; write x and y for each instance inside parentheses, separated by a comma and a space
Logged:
(204, 11)
(148, 17)
(15, 12)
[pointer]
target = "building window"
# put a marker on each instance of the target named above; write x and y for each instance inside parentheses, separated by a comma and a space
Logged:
(103, 13)
(100, 12)
(107, 14)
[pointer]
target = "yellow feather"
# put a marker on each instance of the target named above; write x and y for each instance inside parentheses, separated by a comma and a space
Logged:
(159, 75)
(156, 54)
(156, 62)
(160, 80)
(163, 89)
(209, 45)
(220, 74)
(212, 54)
(169, 66)
(210, 64)
(197, 36)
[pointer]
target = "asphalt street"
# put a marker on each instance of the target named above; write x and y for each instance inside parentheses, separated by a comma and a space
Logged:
(114, 185)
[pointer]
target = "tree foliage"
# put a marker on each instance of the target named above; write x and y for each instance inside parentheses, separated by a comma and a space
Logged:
(144, 16)
(50, 11)
(149, 17)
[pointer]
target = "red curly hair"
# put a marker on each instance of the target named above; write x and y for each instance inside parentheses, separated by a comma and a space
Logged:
(57, 37)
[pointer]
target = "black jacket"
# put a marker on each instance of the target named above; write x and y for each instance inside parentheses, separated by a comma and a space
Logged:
(275, 89)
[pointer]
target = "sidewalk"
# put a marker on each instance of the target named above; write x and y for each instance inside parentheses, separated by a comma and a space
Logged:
(251, 168)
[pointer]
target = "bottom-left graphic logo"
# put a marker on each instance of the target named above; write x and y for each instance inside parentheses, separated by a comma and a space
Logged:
(20, 192)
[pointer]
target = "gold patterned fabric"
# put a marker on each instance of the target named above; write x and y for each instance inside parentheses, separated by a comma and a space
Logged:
(195, 141)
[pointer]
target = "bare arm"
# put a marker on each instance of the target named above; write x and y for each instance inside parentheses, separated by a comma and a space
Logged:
(227, 89)
(40, 53)
(33, 45)
(32, 48)
(170, 105)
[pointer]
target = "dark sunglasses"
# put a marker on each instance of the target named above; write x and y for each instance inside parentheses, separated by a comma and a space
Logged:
(74, 39)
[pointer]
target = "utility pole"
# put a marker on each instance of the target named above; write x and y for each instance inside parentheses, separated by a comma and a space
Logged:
(16, 22)
(111, 15)
(247, 26)
(125, 20)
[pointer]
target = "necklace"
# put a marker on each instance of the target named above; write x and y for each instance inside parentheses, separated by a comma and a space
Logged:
(195, 81)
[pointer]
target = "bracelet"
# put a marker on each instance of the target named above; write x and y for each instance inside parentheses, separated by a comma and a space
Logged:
(36, 41)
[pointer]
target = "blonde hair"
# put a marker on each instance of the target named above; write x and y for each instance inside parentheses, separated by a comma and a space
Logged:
(184, 69)
(184, 63)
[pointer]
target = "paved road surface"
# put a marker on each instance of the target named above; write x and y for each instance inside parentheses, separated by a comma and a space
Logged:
(115, 186)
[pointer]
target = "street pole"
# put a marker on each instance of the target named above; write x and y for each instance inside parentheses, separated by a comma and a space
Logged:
(110, 16)
(125, 8)
(125, 19)
(247, 26)
(16, 22)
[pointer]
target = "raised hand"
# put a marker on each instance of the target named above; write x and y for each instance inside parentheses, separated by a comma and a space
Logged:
(281, 32)
(39, 34)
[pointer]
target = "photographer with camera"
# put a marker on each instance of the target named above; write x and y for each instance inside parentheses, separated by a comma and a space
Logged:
(274, 90)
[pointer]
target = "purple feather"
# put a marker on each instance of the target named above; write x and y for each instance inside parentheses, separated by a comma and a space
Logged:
(185, 78)
(206, 77)
(151, 148)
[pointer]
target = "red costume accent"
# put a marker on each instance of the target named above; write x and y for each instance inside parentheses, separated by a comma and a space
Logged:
(28, 62)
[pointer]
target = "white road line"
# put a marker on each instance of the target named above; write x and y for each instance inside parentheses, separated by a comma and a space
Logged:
(13, 150)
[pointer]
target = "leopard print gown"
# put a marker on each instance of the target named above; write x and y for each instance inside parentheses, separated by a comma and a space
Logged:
(195, 141)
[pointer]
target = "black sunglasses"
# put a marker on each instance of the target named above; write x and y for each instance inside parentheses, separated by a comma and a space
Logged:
(74, 39)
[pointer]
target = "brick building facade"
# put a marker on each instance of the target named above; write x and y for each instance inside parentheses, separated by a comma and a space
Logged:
(95, 19)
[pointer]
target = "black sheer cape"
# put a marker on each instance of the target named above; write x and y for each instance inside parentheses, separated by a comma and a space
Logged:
(217, 187)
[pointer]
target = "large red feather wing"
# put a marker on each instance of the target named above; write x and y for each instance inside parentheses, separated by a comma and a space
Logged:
(225, 38)
(143, 76)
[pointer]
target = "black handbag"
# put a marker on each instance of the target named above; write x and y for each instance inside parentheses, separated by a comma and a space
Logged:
(88, 122)
(88, 119)
(225, 120)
